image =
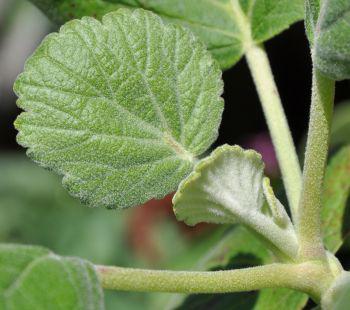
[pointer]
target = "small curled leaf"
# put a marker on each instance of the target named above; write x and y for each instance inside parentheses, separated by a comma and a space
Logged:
(226, 187)
(120, 107)
(276, 208)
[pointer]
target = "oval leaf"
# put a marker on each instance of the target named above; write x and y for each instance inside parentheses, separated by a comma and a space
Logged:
(34, 278)
(328, 28)
(120, 108)
(217, 22)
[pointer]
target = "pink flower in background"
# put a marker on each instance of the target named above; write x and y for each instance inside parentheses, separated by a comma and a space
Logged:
(262, 143)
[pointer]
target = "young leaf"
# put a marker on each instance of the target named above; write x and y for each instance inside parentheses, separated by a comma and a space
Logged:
(336, 193)
(223, 188)
(226, 187)
(328, 29)
(223, 25)
(119, 108)
(34, 278)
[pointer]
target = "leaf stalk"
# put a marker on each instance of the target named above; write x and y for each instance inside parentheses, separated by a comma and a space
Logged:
(259, 65)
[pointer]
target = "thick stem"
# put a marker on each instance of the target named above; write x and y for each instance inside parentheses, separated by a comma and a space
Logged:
(309, 217)
(276, 120)
(311, 278)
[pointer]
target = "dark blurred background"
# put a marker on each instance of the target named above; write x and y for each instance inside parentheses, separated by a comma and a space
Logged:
(35, 209)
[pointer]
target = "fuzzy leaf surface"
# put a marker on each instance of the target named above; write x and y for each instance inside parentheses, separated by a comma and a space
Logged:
(223, 188)
(227, 187)
(119, 108)
(35, 278)
(328, 29)
(221, 24)
(335, 196)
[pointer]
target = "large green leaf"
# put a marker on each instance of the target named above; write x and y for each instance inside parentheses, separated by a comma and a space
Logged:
(227, 187)
(34, 278)
(226, 26)
(328, 28)
(119, 108)
(336, 193)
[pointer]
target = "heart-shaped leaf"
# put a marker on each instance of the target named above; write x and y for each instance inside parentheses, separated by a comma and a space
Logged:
(328, 29)
(227, 187)
(34, 278)
(227, 27)
(120, 108)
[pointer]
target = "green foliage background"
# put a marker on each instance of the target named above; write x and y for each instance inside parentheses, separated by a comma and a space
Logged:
(35, 209)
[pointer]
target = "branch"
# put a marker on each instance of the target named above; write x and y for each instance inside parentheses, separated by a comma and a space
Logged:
(307, 277)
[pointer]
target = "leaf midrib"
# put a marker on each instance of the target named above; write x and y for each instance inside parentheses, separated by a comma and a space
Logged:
(24, 272)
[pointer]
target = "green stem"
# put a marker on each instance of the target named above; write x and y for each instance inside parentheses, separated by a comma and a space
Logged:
(276, 120)
(309, 217)
(311, 278)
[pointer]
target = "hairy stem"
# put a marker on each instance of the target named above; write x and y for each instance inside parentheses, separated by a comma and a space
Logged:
(309, 217)
(311, 278)
(276, 120)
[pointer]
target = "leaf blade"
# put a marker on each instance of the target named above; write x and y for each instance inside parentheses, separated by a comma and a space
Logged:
(115, 144)
(227, 187)
(214, 22)
(213, 204)
(329, 33)
(33, 277)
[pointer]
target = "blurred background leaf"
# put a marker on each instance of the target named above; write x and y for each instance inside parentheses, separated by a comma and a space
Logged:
(35, 209)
